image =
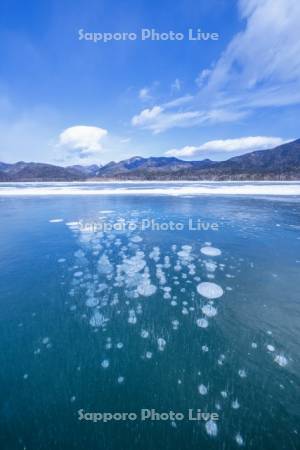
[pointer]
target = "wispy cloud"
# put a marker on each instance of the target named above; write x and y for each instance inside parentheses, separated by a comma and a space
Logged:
(144, 94)
(244, 144)
(162, 118)
(260, 68)
(176, 86)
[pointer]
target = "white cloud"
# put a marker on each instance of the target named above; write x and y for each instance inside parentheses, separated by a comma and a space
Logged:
(83, 140)
(245, 144)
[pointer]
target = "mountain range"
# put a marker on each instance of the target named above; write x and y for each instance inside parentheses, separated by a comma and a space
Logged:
(279, 163)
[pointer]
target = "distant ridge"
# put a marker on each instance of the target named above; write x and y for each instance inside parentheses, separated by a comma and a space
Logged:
(279, 163)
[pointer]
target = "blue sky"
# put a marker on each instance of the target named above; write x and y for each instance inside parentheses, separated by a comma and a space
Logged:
(65, 100)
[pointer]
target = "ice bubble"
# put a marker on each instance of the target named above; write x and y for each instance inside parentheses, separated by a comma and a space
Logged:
(211, 428)
(72, 399)
(224, 394)
(202, 323)
(105, 363)
(25, 376)
(209, 310)
(148, 355)
(104, 265)
(210, 290)
(239, 440)
(56, 220)
(146, 288)
(120, 345)
(210, 266)
(242, 373)
(97, 320)
(61, 260)
(136, 239)
(144, 334)
(202, 389)
(161, 344)
(78, 274)
(271, 348)
(132, 317)
(204, 348)
(46, 340)
(210, 251)
(175, 324)
(92, 302)
(254, 345)
(235, 404)
(121, 380)
(281, 360)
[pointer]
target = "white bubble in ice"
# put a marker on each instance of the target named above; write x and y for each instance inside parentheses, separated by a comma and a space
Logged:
(210, 251)
(224, 394)
(175, 324)
(148, 355)
(271, 348)
(209, 310)
(104, 265)
(46, 340)
(61, 260)
(211, 428)
(235, 404)
(202, 389)
(144, 334)
(78, 274)
(92, 302)
(242, 373)
(281, 360)
(132, 317)
(146, 288)
(120, 345)
(161, 344)
(56, 220)
(97, 320)
(239, 440)
(210, 290)
(202, 323)
(204, 348)
(254, 345)
(121, 380)
(105, 363)
(210, 266)
(136, 239)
